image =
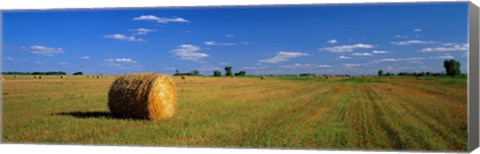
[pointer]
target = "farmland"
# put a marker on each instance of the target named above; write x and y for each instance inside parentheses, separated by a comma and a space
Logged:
(295, 113)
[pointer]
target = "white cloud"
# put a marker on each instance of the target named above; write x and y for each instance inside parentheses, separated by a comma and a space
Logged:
(343, 57)
(162, 20)
(42, 50)
(189, 52)
(255, 67)
(297, 65)
(229, 35)
(213, 43)
(9, 58)
(414, 58)
(121, 60)
(401, 36)
(332, 41)
(379, 52)
(351, 65)
(346, 48)
(409, 42)
(448, 47)
(417, 30)
(142, 31)
(123, 37)
(361, 54)
(85, 57)
(283, 56)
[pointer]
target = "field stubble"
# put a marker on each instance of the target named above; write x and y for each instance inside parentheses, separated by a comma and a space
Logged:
(398, 113)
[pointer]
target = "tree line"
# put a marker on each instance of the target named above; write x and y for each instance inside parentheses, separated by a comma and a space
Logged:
(41, 73)
(228, 72)
(452, 68)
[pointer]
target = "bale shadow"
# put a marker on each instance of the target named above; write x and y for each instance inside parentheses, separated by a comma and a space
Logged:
(95, 114)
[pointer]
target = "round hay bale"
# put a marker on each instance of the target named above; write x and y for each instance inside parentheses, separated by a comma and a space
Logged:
(184, 77)
(263, 77)
(61, 77)
(39, 77)
(145, 96)
(3, 78)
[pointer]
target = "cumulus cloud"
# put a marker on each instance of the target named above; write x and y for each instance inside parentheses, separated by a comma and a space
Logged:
(414, 58)
(447, 47)
(85, 57)
(410, 42)
(189, 52)
(283, 56)
(417, 30)
(213, 43)
(361, 54)
(401, 36)
(162, 20)
(123, 37)
(121, 60)
(310, 66)
(343, 57)
(346, 48)
(351, 65)
(142, 31)
(332, 41)
(43, 50)
(379, 52)
(255, 67)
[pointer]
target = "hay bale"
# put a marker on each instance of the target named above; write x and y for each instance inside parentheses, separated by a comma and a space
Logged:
(263, 77)
(184, 77)
(145, 96)
(3, 78)
(61, 76)
(39, 77)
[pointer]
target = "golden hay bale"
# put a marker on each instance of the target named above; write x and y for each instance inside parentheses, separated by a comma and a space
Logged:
(61, 77)
(3, 78)
(15, 76)
(39, 77)
(263, 77)
(184, 77)
(146, 96)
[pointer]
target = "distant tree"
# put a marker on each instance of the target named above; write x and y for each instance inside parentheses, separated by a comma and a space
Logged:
(380, 73)
(78, 73)
(452, 67)
(241, 73)
(195, 72)
(177, 72)
(228, 71)
(217, 73)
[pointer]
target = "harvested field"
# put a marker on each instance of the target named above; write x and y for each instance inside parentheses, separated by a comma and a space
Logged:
(280, 112)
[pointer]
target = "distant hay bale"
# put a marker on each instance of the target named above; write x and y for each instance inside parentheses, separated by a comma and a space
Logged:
(61, 77)
(39, 77)
(263, 77)
(145, 96)
(184, 77)
(3, 78)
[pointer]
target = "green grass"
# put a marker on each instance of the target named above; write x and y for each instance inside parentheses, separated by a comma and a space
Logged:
(373, 113)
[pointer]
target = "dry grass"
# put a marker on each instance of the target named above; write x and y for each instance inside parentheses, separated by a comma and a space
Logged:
(343, 113)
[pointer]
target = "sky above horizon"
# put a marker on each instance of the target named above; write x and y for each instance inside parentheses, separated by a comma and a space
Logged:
(321, 39)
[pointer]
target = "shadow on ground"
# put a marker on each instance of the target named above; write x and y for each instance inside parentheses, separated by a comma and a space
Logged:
(94, 114)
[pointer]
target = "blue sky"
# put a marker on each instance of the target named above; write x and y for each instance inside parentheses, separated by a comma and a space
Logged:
(321, 39)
